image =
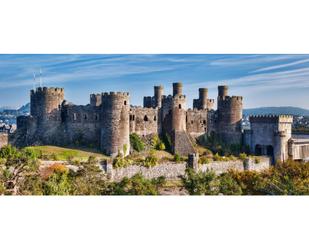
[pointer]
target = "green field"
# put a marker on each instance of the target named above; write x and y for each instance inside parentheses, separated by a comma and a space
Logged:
(61, 153)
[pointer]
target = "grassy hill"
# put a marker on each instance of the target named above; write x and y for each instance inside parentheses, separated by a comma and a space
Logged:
(60, 153)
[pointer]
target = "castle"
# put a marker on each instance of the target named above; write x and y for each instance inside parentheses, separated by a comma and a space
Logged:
(108, 120)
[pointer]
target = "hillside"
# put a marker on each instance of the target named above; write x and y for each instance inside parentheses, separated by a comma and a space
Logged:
(276, 111)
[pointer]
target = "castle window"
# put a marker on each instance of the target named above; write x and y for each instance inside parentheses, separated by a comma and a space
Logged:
(125, 102)
(145, 118)
(85, 117)
(96, 117)
(204, 122)
(179, 106)
(191, 121)
(155, 118)
(74, 116)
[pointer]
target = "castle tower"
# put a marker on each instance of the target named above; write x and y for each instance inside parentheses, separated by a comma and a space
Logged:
(222, 91)
(177, 88)
(158, 93)
(179, 113)
(115, 123)
(95, 99)
(44, 102)
(203, 96)
(229, 116)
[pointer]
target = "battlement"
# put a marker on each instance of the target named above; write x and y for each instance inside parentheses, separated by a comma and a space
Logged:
(50, 90)
(271, 119)
(120, 94)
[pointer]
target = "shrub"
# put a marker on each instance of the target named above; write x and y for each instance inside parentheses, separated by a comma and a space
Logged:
(257, 160)
(167, 141)
(201, 183)
(136, 185)
(243, 156)
(121, 162)
(136, 142)
(204, 160)
(228, 185)
(177, 158)
(157, 143)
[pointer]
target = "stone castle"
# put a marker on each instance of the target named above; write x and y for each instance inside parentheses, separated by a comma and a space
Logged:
(109, 119)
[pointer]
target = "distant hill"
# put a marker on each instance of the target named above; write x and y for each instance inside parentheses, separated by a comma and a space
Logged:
(24, 109)
(290, 110)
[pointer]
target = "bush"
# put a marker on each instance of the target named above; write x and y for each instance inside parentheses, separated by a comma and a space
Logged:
(136, 142)
(157, 143)
(167, 141)
(177, 158)
(228, 185)
(121, 162)
(243, 156)
(136, 185)
(257, 160)
(201, 183)
(204, 160)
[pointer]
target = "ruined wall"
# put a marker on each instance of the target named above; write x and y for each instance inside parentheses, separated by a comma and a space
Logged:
(196, 122)
(81, 125)
(115, 123)
(144, 121)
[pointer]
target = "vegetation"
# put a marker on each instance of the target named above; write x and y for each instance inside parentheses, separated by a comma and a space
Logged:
(288, 178)
(137, 185)
(136, 142)
(216, 146)
(157, 143)
(21, 174)
(63, 154)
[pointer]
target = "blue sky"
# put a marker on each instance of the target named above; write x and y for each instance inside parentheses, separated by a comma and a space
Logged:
(263, 80)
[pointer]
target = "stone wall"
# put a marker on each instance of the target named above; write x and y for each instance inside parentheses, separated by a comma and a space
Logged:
(196, 122)
(144, 121)
(172, 171)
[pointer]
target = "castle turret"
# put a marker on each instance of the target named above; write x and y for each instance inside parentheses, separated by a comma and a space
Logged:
(95, 99)
(115, 123)
(177, 88)
(158, 93)
(179, 113)
(223, 91)
(44, 102)
(229, 116)
(203, 95)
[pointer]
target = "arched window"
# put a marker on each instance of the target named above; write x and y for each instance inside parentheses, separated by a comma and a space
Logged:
(125, 102)
(155, 118)
(74, 116)
(85, 116)
(204, 122)
(145, 118)
(179, 106)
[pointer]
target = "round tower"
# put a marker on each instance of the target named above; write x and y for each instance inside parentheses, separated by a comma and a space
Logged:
(229, 118)
(223, 91)
(177, 88)
(179, 113)
(203, 96)
(115, 129)
(158, 93)
(44, 102)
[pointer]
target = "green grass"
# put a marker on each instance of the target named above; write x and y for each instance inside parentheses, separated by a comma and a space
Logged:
(63, 154)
